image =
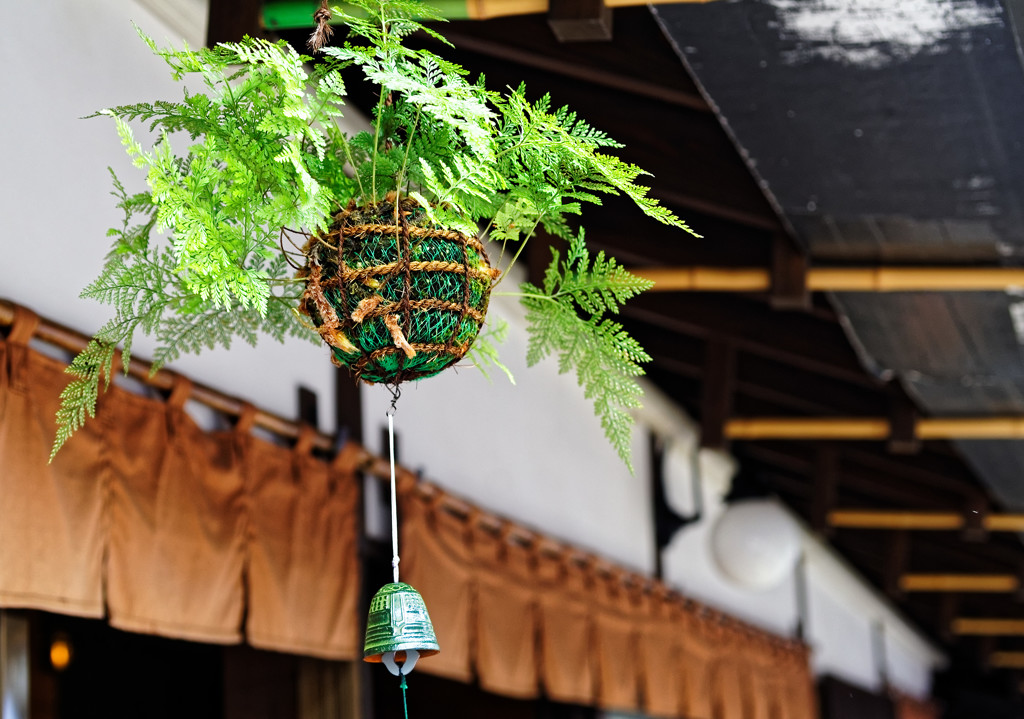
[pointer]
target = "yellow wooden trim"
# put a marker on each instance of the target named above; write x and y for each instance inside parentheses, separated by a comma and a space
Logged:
(959, 583)
(988, 627)
(807, 428)
(884, 519)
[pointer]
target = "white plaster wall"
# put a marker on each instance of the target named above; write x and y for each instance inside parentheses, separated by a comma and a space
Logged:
(68, 59)
(533, 452)
(842, 639)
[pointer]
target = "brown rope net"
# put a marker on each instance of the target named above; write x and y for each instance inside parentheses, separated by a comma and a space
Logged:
(394, 296)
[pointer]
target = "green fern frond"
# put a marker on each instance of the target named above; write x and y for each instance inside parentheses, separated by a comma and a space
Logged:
(566, 319)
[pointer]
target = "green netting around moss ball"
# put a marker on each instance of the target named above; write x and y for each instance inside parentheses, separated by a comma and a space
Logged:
(396, 297)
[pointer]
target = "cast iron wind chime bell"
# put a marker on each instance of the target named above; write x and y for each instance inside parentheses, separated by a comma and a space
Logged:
(398, 628)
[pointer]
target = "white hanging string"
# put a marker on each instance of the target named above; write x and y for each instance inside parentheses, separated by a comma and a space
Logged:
(394, 500)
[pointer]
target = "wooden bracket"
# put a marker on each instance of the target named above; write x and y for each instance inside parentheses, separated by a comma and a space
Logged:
(949, 607)
(975, 528)
(789, 275)
(826, 488)
(580, 20)
(719, 382)
(903, 417)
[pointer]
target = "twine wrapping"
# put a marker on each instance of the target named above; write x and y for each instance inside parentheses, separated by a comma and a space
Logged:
(395, 297)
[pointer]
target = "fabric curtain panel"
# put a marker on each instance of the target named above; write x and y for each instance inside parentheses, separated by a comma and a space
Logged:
(176, 541)
(53, 533)
(167, 529)
(303, 566)
(660, 656)
(436, 561)
(566, 643)
(525, 616)
(506, 615)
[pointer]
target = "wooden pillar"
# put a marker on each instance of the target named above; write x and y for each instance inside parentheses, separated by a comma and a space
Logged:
(826, 488)
(789, 275)
(903, 418)
(719, 382)
(897, 561)
(14, 666)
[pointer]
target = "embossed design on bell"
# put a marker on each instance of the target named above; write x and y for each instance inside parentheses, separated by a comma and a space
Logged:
(398, 622)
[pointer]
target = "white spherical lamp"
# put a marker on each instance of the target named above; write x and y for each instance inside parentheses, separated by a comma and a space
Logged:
(755, 543)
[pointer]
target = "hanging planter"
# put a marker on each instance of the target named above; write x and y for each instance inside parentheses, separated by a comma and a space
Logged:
(396, 297)
(392, 273)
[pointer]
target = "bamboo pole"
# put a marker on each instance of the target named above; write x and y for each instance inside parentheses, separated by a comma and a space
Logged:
(904, 519)
(988, 627)
(872, 428)
(1006, 660)
(1003, 522)
(72, 341)
(807, 428)
(882, 519)
(980, 583)
(837, 279)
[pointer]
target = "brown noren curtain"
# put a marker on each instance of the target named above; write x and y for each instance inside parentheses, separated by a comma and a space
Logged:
(524, 617)
(169, 529)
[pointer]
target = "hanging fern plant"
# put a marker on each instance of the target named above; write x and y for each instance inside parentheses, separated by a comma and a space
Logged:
(391, 271)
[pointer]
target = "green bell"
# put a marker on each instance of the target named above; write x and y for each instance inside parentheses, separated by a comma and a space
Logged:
(398, 629)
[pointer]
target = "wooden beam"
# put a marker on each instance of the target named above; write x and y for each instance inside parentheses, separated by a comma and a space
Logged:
(982, 626)
(982, 583)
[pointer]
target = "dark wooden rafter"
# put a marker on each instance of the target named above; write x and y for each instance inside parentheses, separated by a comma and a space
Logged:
(475, 39)
(231, 20)
(811, 344)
